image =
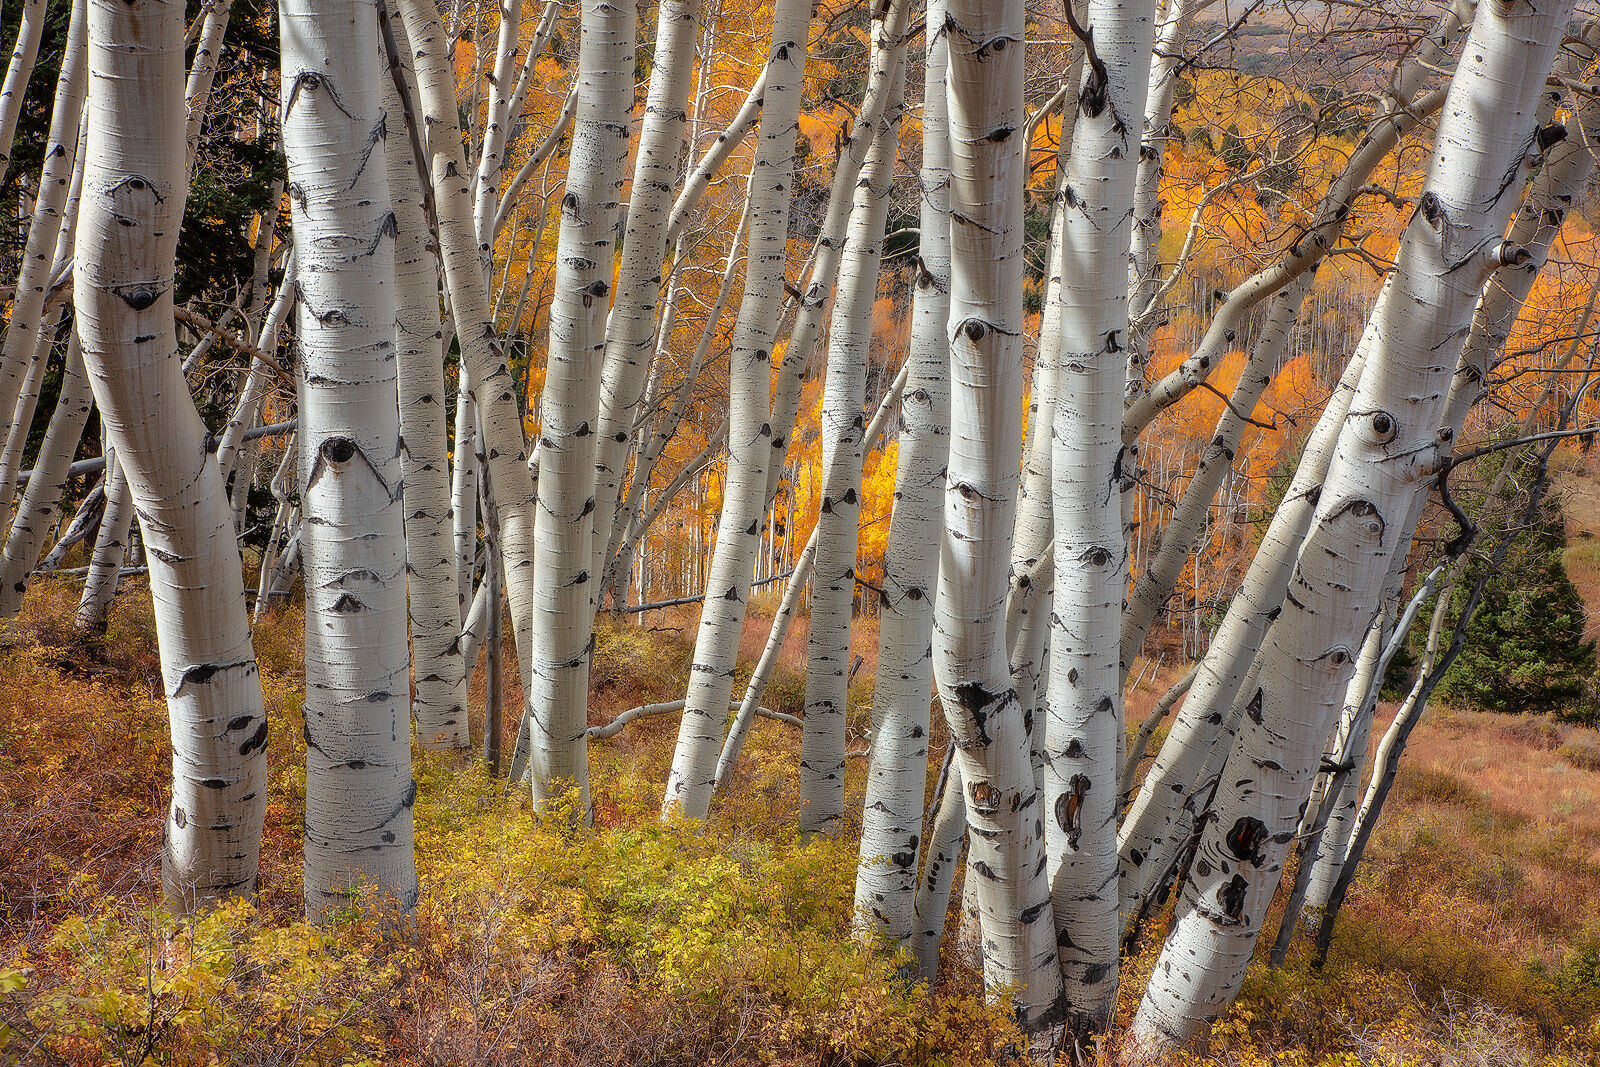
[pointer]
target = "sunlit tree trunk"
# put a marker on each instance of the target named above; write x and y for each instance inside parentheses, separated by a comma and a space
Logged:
(359, 789)
(988, 168)
(24, 53)
(492, 388)
(631, 332)
(1157, 824)
(557, 683)
(41, 501)
(28, 319)
(133, 196)
(822, 743)
(1386, 449)
(1083, 717)
(1154, 587)
(110, 549)
(440, 708)
(749, 422)
(947, 827)
(892, 822)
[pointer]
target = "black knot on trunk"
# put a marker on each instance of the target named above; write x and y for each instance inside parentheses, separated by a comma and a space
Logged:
(338, 450)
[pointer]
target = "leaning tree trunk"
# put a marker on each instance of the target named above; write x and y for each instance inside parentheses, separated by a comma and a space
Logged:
(133, 196)
(440, 708)
(988, 168)
(716, 652)
(1387, 447)
(28, 319)
(359, 789)
(110, 550)
(41, 501)
(557, 682)
(833, 592)
(891, 821)
(24, 52)
(1083, 717)
(1157, 825)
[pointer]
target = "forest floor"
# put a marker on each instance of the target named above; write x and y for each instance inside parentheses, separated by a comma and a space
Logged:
(1471, 937)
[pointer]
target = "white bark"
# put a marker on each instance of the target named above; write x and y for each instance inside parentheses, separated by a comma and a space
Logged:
(843, 432)
(830, 243)
(440, 671)
(749, 422)
(497, 128)
(631, 331)
(110, 549)
(947, 827)
(988, 167)
(29, 318)
(1083, 722)
(359, 789)
(1156, 826)
(892, 822)
(625, 529)
(41, 501)
(488, 380)
(259, 377)
(1383, 454)
(744, 120)
(133, 194)
(1401, 111)
(24, 52)
(557, 681)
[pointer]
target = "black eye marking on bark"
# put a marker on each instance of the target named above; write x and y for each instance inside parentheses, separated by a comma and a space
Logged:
(1069, 809)
(1231, 897)
(1432, 210)
(1246, 839)
(257, 740)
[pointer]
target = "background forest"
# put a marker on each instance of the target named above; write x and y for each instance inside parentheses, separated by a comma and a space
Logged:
(641, 499)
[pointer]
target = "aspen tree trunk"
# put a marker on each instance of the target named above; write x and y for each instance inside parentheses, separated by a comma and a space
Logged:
(891, 821)
(744, 120)
(843, 425)
(1028, 606)
(41, 501)
(1083, 721)
(440, 708)
(359, 789)
(1385, 450)
(28, 399)
(988, 167)
(947, 826)
(24, 52)
(631, 331)
(749, 423)
(133, 195)
(487, 379)
(1145, 244)
(1157, 824)
(110, 549)
(830, 242)
(202, 73)
(28, 316)
(557, 683)
(497, 131)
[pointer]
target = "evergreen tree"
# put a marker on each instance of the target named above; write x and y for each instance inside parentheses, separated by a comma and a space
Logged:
(1525, 649)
